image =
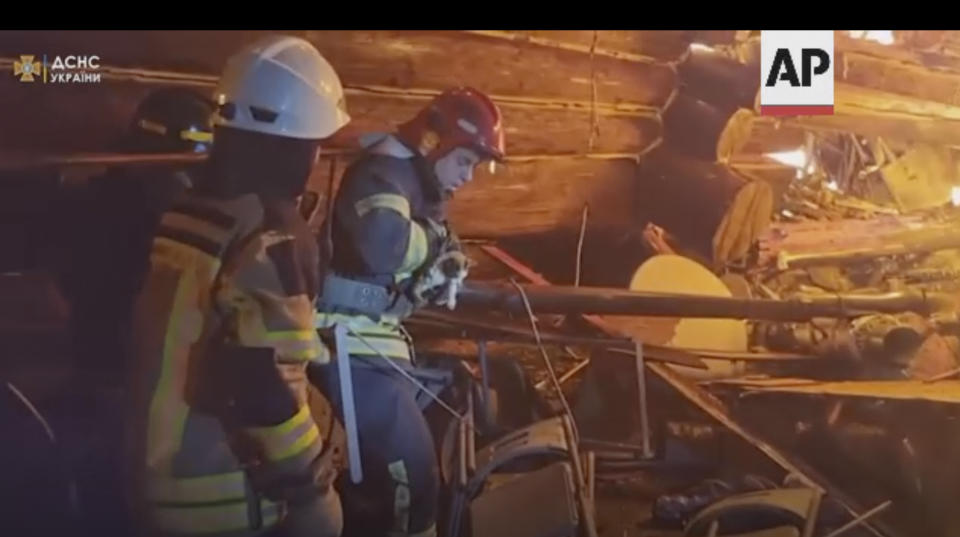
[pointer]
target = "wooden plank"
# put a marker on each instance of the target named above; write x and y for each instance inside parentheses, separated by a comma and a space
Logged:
(533, 197)
(708, 206)
(788, 238)
(399, 59)
(925, 48)
(942, 391)
(900, 78)
(516, 266)
(538, 196)
(768, 136)
(81, 118)
(530, 130)
(878, 113)
(665, 45)
(867, 112)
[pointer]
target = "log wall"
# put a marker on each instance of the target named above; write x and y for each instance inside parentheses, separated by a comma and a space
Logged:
(579, 106)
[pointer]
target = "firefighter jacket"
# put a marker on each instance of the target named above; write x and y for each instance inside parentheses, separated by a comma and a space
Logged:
(227, 279)
(387, 224)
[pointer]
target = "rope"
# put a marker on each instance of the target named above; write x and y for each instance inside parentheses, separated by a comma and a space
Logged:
(546, 358)
(406, 375)
(583, 229)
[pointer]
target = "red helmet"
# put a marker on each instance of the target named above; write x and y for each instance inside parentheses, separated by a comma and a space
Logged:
(458, 117)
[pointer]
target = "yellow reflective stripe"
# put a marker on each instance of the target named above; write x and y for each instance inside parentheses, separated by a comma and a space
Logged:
(212, 518)
(153, 127)
(289, 438)
(299, 350)
(293, 335)
(299, 445)
(168, 410)
(388, 324)
(383, 201)
(391, 348)
(398, 471)
(401, 497)
(301, 417)
(186, 258)
(306, 354)
(208, 488)
(196, 136)
(195, 225)
(416, 249)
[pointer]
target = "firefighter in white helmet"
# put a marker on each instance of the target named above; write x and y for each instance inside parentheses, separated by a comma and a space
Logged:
(220, 437)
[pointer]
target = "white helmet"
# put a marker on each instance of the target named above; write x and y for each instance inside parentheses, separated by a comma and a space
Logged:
(281, 85)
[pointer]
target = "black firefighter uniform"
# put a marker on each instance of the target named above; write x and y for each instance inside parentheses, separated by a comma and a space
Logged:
(386, 229)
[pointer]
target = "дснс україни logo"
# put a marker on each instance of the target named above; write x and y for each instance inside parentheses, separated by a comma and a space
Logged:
(71, 69)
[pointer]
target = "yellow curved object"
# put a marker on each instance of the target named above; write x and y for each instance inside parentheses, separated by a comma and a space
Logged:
(677, 274)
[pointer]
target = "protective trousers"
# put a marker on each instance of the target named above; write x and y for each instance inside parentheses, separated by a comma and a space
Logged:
(396, 447)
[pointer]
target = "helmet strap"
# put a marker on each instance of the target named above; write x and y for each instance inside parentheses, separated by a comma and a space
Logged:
(428, 176)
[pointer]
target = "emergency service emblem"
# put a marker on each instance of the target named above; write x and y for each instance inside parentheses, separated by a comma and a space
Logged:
(26, 68)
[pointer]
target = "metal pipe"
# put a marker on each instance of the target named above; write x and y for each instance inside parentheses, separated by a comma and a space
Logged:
(349, 408)
(470, 329)
(471, 435)
(586, 505)
(600, 300)
(462, 448)
(592, 478)
(642, 396)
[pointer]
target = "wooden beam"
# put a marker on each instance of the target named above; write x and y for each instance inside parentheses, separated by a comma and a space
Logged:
(540, 196)
(401, 59)
(876, 113)
(708, 206)
(943, 391)
(721, 81)
(898, 77)
(860, 100)
(534, 197)
(66, 119)
(919, 49)
(663, 45)
(697, 129)
(583, 41)
(530, 130)
(769, 135)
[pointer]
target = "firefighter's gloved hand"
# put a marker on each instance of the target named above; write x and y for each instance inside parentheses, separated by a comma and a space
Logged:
(440, 284)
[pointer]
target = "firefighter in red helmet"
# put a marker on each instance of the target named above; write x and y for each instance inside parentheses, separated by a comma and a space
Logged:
(390, 250)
